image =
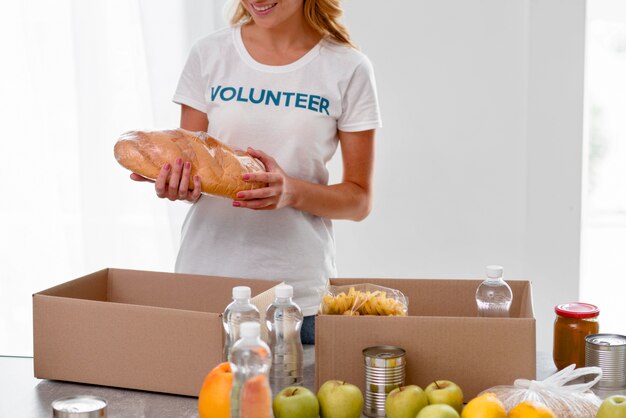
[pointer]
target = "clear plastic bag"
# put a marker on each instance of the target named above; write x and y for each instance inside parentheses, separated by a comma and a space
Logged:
(565, 400)
(363, 299)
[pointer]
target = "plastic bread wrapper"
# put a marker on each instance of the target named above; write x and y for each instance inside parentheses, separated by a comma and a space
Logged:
(363, 299)
(220, 167)
(556, 392)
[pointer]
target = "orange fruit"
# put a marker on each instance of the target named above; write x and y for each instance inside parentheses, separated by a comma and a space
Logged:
(529, 409)
(256, 398)
(486, 405)
(214, 397)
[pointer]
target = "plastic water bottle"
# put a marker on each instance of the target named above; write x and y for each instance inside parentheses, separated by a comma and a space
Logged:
(240, 310)
(494, 296)
(284, 319)
(250, 361)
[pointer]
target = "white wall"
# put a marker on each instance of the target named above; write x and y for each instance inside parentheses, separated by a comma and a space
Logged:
(554, 155)
(169, 30)
(603, 265)
(479, 158)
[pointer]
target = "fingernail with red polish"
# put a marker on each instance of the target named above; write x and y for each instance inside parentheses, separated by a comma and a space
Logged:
(167, 166)
(237, 204)
(246, 176)
(179, 161)
(187, 165)
(240, 195)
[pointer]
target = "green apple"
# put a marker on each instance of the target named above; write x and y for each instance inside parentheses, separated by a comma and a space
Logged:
(446, 392)
(295, 402)
(440, 410)
(405, 402)
(613, 407)
(340, 400)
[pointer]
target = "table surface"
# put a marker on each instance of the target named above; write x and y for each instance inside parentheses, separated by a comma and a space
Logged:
(23, 396)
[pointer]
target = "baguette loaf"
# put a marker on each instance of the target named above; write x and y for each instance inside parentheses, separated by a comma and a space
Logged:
(219, 167)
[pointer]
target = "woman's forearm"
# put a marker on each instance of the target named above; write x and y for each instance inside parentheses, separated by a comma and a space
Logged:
(350, 199)
(345, 200)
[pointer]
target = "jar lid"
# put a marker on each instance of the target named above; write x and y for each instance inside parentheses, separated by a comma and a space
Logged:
(577, 310)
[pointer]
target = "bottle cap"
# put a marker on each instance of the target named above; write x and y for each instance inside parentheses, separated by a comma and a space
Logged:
(577, 310)
(241, 292)
(494, 271)
(284, 291)
(250, 329)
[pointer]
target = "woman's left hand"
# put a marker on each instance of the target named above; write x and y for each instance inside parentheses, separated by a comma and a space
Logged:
(279, 190)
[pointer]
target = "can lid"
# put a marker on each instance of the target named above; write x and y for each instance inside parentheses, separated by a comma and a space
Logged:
(74, 406)
(611, 340)
(577, 310)
(384, 351)
(384, 356)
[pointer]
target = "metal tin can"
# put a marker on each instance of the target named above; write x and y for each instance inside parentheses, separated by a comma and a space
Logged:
(79, 407)
(384, 371)
(607, 351)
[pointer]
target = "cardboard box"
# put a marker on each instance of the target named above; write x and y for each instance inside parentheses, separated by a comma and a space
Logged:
(143, 330)
(442, 335)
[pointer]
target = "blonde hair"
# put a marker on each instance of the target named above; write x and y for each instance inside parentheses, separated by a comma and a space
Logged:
(322, 15)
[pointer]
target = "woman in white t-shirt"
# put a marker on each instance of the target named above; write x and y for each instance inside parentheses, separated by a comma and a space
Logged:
(285, 83)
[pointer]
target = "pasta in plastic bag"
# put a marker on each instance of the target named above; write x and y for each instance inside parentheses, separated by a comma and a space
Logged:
(566, 401)
(363, 299)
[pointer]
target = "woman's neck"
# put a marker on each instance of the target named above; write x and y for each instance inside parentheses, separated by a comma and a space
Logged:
(280, 45)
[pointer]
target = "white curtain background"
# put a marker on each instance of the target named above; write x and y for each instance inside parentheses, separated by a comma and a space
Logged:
(603, 265)
(74, 76)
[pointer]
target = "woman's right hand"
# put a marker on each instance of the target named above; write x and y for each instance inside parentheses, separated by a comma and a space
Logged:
(173, 182)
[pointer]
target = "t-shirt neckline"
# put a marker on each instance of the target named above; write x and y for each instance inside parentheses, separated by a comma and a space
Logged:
(245, 55)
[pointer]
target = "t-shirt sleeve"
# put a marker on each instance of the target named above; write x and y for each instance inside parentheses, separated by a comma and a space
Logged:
(360, 111)
(190, 89)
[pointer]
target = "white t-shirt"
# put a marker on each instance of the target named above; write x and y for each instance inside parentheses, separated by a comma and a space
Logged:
(292, 112)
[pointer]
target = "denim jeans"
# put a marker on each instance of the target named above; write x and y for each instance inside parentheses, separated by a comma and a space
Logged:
(307, 331)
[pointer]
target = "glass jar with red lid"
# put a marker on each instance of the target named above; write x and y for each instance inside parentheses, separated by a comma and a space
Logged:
(574, 321)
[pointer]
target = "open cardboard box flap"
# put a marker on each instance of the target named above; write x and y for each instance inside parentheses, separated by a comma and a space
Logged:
(136, 329)
(442, 335)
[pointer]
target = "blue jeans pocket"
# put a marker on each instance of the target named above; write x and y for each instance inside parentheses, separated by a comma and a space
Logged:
(307, 331)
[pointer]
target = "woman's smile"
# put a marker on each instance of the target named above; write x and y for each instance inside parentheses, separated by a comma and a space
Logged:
(262, 9)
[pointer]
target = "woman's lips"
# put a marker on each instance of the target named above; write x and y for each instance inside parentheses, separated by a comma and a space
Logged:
(262, 9)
